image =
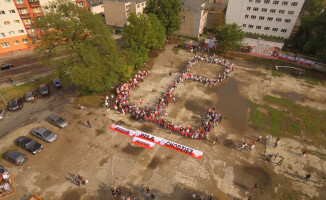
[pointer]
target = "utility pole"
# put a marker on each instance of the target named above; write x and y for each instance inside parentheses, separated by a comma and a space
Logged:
(3, 99)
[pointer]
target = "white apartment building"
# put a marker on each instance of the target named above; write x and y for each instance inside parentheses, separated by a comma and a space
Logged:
(117, 11)
(265, 17)
(16, 17)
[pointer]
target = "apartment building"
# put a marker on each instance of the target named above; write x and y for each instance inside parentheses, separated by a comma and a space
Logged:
(117, 11)
(15, 22)
(265, 17)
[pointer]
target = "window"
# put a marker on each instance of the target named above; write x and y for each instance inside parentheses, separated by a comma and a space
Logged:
(248, 8)
(287, 20)
(37, 10)
(278, 19)
(12, 33)
(258, 27)
(273, 10)
(250, 1)
(16, 42)
(281, 11)
(5, 44)
(251, 26)
(6, 22)
(80, 4)
(16, 21)
(138, 14)
(23, 11)
(246, 16)
(54, 6)
(266, 28)
(294, 4)
(27, 21)
(127, 7)
(291, 12)
(261, 17)
(284, 3)
(244, 25)
(255, 9)
(8, 1)
(269, 18)
(138, 5)
(19, 1)
(275, 29)
(183, 19)
(283, 30)
(143, 4)
(253, 16)
(264, 9)
(25, 40)
(12, 11)
(2, 12)
(2, 35)
(275, 2)
(31, 30)
(257, 1)
(21, 31)
(266, 1)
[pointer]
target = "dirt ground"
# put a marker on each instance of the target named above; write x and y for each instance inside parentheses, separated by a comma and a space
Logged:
(108, 159)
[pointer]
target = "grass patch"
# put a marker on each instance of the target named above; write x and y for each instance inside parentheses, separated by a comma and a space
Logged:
(312, 82)
(185, 103)
(226, 118)
(277, 73)
(293, 128)
(19, 91)
(95, 101)
(175, 50)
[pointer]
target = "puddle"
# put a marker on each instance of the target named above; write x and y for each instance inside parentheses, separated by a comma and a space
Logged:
(229, 143)
(132, 150)
(103, 161)
(293, 96)
(232, 105)
(99, 132)
(156, 161)
(198, 106)
(255, 72)
(73, 194)
(146, 128)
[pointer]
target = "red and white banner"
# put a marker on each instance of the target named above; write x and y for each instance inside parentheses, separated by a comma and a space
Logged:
(143, 143)
(122, 130)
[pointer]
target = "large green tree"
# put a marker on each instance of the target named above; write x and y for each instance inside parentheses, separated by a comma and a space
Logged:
(229, 36)
(142, 34)
(81, 46)
(167, 11)
(314, 7)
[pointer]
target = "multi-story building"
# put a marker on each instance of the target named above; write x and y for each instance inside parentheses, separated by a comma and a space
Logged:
(15, 22)
(265, 17)
(117, 11)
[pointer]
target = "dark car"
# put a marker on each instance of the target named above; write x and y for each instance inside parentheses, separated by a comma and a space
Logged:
(58, 121)
(30, 96)
(2, 113)
(44, 134)
(44, 89)
(15, 104)
(57, 83)
(6, 66)
(29, 144)
(15, 157)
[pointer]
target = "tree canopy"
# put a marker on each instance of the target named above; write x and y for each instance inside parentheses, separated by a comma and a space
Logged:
(314, 7)
(141, 35)
(229, 36)
(167, 11)
(81, 46)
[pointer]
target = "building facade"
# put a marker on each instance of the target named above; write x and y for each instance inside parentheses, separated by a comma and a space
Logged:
(117, 11)
(15, 22)
(265, 17)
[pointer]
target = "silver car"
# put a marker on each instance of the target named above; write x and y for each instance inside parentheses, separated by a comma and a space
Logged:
(58, 121)
(44, 134)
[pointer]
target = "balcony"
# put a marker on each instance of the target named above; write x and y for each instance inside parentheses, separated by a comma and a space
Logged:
(28, 26)
(35, 4)
(20, 5)
(38, 14)
(79, 1)
(25, 16)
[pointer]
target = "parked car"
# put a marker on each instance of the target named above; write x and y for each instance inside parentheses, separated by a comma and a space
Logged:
(6, 66)
(58, 121)
(44, 89)
(15, 104)
(15, 157)
(29, 144)
(2, 113)
(44, 134)
(30, 96)
(2, 169)
(57, 83)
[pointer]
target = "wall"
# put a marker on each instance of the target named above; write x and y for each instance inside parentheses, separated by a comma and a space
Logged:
(115, 13)
(97, 9)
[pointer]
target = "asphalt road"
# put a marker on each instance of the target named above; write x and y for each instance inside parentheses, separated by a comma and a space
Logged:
(37, 111)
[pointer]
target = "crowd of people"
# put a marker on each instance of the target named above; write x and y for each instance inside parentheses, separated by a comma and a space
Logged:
(5, 182)
(152, 114)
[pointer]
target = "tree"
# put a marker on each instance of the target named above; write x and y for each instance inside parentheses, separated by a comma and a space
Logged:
(314, 7)
(311, 35)
(229, 36)
(167, 11)
(142, 34)
(81, 46)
